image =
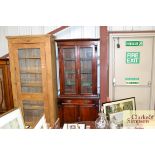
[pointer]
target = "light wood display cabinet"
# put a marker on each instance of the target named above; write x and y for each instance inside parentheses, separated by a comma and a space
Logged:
(78, 99)
(33, 76)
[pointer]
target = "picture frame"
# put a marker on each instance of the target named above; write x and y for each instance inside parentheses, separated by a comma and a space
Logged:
(114, 109)
(74, 126)
(12, 119)
(41, 124)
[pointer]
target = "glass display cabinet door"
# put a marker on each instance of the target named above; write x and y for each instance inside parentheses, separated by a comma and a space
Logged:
(86, 62)
(30, 69)
(69, 60)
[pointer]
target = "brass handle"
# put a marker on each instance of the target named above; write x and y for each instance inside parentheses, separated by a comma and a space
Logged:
(2, 93)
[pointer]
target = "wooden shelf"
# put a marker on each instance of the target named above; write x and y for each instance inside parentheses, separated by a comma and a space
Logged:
(31, 58)
(30, 107)
(69, 59)
(86, 84)
(86, 72)
(69, 72)
(30, 72)
(31, 84)
(85, 59)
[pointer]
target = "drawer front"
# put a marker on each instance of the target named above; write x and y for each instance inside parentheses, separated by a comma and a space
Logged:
(78, 101)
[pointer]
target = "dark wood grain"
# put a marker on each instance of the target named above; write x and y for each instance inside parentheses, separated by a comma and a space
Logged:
(6, 85)
(79, 106)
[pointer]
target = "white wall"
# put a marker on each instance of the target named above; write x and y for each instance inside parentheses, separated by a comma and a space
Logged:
(131, 28)
(68, 33)
(19, 30)
(78, 32)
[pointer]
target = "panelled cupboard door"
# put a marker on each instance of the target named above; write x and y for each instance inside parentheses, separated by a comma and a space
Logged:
(88, 112)
(70, 113)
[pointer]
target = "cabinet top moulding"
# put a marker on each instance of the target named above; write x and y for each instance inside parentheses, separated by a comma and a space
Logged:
(78, 39)
(29, 38)
(77, 42)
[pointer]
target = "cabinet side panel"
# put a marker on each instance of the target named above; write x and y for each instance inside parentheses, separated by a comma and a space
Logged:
(51, 80)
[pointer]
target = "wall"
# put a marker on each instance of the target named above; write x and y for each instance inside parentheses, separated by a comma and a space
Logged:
(71, 32)
(19, 30)
(131, 28)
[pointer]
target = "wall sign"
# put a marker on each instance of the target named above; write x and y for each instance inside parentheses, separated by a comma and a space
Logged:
(134, 43)
(132, 80)
(132, 57)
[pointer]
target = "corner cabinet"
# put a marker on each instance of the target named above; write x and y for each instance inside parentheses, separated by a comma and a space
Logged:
(78, 99)
(33, 75)
(6, 98)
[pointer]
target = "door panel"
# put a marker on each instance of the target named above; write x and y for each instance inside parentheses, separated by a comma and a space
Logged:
(70, 113)
(141, 94)
(88, 112)
(86, 65)
(132, 76)
(132, 61)
(69, 70)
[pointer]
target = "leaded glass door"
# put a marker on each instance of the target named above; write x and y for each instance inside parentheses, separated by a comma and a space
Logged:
(30, 76)
(69, 70)
(86, 66)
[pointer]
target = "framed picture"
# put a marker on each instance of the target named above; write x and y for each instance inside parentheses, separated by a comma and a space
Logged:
(74, 126)
(114, 109)
(13, 119)
(41, 124)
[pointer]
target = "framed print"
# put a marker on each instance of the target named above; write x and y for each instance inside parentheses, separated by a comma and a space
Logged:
(74, 126)
(13, 119)
(114, 109)
(41, 124)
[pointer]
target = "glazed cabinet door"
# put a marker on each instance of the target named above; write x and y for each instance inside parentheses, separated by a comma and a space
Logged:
(88, 69)
(30, 77)
(68, 70)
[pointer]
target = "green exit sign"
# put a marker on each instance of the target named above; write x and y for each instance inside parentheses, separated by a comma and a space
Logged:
(132, 57)
(134, 43)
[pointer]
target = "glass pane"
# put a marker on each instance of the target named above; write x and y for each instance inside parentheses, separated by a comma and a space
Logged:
(86, 89)
(68, 53)
(69, 66)
(30, 70)
(69, 70)
(33, 110)
(2, 102)
(86, 66)
(86, 83)
(86, 52)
